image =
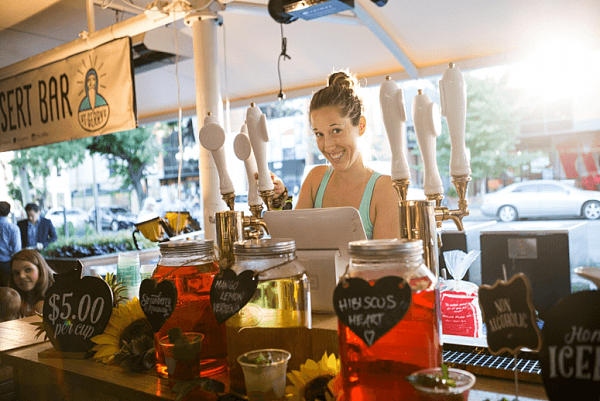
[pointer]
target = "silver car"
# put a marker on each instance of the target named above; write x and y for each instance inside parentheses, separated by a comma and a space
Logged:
(541, 199)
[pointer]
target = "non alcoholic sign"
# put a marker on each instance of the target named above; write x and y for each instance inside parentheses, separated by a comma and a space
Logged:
(570, 355)
(88, 94)
(509, 315)
(368, 310)
(75, 310)
(158, 301)
(229, 292)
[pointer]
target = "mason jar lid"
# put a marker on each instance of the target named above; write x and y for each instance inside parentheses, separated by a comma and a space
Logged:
(182, 248)
(385, 248)
(265, 246)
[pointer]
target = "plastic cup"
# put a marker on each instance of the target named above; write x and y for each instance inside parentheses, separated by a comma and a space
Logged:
(265, 373)
(463, 380)
(183, 360)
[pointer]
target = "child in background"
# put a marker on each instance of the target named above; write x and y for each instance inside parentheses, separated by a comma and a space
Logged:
(10, 304)
(31, 277)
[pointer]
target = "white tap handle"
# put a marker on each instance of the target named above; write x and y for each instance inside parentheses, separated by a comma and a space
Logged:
(428, 126)
(212, 137)
(256, 123)
(243, 151)
(393, 111)
(453, 97)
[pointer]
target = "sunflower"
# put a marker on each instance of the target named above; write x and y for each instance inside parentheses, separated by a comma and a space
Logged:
(315, 381)
(126, 323)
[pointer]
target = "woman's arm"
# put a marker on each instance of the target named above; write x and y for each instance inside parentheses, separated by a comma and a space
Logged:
(384, 208)
(310, 186)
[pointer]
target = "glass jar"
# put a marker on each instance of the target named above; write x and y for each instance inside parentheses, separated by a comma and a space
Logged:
(191, 265)
(281, 300)
(378, 372)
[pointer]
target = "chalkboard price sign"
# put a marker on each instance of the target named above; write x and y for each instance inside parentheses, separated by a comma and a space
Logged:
(158, 301)
(570, 355)
(370, 311)
(75, 310)
(229, 292)
(509, 315)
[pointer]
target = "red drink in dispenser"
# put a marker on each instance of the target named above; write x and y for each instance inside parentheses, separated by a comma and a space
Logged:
(191, 266)
(378, 372)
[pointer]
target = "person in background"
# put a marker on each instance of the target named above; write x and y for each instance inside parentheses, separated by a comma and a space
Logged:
(10, 304)
(36, 231)
(337, 122)
(10, 242)
(31, 277)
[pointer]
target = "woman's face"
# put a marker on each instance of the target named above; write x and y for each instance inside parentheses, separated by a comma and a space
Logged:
(336, 137)
(25, 274)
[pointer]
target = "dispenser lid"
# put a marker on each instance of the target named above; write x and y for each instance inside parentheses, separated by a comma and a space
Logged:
(187, 247)
(385, 247)
(265, 246)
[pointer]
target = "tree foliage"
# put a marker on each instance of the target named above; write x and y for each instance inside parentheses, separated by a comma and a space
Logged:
(129, 153)
(37, 163)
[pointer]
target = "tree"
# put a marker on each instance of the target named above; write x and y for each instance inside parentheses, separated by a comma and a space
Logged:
(34, 163)
(129, 153)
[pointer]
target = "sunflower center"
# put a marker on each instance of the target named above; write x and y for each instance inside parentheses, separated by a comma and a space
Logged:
(317, 388)
(136, 329)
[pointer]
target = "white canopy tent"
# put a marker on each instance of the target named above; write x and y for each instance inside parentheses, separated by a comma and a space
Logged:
(404, 39)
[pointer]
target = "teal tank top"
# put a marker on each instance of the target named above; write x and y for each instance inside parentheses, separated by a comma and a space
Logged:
(365, 203)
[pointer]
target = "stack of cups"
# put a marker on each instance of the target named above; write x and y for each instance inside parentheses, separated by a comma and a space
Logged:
(128, 273)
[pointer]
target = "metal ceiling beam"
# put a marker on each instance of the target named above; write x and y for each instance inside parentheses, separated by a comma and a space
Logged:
(377, 27)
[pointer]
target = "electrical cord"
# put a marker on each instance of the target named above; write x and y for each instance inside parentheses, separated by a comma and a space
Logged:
(283, 54)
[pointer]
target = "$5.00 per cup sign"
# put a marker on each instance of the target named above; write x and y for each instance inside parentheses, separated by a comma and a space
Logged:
(75, 310)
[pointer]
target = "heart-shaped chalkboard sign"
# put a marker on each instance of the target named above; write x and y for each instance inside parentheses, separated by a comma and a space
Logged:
(570, 354)
(75, 310)
(229, 292)
(158, 301)
(509, 315)
(370, 311)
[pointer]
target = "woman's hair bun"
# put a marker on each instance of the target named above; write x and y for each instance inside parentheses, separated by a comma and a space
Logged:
(343, 79)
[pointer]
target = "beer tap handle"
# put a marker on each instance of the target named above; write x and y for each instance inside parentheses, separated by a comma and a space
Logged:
(393, 111)
(256, 122)
(453, 98)
(243, 151)
(428, 126)
(212, 137)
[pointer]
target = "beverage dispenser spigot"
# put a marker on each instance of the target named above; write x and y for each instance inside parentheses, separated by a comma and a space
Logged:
(256, 122)
(254, 225)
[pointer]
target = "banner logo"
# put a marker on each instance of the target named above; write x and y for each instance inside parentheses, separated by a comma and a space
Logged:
(93, 109)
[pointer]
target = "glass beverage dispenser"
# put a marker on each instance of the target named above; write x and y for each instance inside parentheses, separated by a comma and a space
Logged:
(191, 265)
(377, 372)
(282, 298)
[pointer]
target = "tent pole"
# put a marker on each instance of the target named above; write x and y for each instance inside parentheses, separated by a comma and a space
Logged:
(208, 99)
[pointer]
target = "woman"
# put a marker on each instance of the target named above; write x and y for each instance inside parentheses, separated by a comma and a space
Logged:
(31, 277)
(337, 122)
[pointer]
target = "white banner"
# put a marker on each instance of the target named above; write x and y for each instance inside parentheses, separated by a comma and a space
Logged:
(88, 94)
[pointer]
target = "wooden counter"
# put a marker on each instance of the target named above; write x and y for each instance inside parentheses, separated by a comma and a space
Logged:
(58, 379)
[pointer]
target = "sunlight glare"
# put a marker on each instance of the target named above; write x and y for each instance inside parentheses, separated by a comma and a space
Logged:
(558, 68)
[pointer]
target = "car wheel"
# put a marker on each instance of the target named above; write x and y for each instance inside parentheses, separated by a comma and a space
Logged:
(507, 213)
(114, 226)
(591, 210)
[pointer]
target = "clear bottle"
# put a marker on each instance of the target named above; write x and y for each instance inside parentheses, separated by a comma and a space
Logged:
(378, 372)
(191, 265)
(282, 298)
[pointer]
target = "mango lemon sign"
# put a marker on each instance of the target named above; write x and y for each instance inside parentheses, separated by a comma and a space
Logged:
(87, 94)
